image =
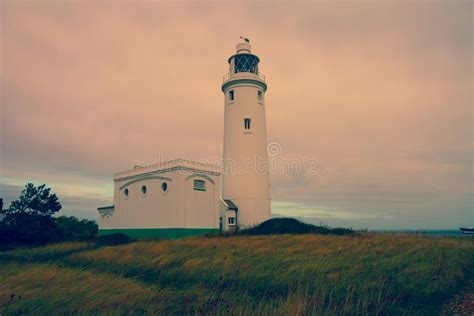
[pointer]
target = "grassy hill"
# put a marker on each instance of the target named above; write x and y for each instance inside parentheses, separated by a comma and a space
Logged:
(284, 274)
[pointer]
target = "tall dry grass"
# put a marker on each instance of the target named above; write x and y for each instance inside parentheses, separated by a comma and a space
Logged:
(284, 274)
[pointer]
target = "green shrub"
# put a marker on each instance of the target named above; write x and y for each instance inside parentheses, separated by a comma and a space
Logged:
(30, 221)
(341, 231)
(27, 229)
(72, 229)
(292, 226)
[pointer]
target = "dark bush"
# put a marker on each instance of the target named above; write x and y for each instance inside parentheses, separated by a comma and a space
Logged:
(28, 229)
(30, 221)
(113, 239)
(279, 226)
(341, 231)
(291, 226)
(72, 229)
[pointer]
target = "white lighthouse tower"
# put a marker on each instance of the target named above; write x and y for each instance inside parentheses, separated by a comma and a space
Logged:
(246, 183)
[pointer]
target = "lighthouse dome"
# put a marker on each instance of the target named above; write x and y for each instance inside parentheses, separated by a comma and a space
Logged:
(243, 47)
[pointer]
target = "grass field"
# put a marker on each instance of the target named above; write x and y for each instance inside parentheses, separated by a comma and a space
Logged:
(284, 274)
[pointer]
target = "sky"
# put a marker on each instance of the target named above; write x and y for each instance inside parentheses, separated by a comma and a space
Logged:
(378, 93)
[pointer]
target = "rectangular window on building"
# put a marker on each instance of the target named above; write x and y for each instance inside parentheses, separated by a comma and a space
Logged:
(231, 220)
(247, 122)
(199, 185)
(260, 96)
(231, 95)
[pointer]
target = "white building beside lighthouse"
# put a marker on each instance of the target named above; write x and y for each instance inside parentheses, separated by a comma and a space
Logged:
(183, 198)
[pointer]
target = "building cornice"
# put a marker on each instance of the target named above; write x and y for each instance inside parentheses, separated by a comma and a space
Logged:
(168, 166)
(141, 178)
(178, 168)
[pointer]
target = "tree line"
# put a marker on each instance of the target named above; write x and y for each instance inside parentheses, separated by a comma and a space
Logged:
(30, 220)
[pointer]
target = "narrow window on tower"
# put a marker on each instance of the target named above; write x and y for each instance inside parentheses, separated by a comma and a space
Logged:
(231, 95)
(260, 96)
(247, 122)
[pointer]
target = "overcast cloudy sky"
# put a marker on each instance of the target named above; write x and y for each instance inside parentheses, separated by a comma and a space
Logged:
(378, 92)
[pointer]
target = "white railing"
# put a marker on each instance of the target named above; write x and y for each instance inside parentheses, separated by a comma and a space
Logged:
(259, 75)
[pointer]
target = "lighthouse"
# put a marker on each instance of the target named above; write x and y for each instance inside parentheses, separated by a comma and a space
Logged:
(180, 197)
(245, 179)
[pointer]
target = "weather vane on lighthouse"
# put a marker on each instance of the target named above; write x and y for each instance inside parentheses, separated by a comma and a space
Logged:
(245, 39)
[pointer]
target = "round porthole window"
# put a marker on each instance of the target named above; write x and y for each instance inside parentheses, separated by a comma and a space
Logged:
(125, 192)
(144, 189)
(164, 186)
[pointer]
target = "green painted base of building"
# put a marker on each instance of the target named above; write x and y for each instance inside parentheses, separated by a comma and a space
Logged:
(168, 233)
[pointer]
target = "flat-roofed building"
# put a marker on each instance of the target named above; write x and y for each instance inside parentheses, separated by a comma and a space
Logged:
(169, 199)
